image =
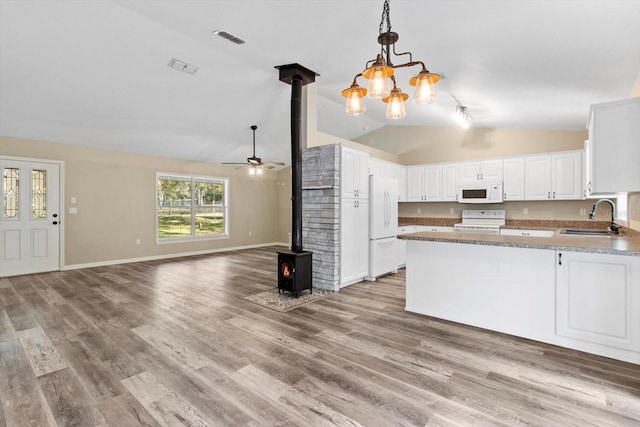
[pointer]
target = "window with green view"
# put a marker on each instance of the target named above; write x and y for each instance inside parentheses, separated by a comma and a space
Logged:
(191, 207)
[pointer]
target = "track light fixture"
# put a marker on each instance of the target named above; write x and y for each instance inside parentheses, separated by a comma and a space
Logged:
(381, 71)
(462, 116)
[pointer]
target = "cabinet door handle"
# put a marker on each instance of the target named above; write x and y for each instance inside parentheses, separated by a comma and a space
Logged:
(560, 258)
(548, 195)
(505, 196)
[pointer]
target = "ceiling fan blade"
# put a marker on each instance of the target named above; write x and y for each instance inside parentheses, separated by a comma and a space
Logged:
(275, 163)
(233, 163)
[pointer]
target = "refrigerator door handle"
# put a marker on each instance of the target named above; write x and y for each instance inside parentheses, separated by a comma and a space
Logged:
(387, 209)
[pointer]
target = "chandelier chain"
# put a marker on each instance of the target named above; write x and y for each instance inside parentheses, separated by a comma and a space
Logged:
(385, 14)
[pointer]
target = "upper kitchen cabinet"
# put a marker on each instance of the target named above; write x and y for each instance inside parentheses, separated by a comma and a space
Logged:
(513, 179)
(354, 171)
(450, 182)
(554, 176)
(614, 147)
(487, 170)
(425, 183)
(566, 176)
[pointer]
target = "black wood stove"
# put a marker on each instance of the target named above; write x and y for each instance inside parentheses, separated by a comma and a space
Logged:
(294, 267)
(294, 272)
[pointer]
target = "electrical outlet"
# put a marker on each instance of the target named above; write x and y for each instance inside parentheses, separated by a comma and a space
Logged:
(451, 211)
(419, 210)
(583, 211)
(250, 233)
(525, 211)
(73, 200)
(137, 241)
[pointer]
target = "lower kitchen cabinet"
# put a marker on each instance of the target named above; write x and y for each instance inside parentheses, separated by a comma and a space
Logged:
(580, 300)
(598, 299)
(354, 240)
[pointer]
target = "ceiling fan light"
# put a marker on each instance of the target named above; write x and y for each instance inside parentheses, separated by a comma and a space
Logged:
(355, 100)
(395, 104)
(425, 87)
(378, 85)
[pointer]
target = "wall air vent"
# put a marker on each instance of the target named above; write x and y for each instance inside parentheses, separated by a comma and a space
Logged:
(182, 66)
(228, 36)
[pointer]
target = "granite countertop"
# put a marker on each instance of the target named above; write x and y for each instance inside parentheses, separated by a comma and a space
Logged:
(627, 243)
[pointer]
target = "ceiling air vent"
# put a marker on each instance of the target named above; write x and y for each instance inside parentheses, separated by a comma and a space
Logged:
(228, 36)
(182, 66)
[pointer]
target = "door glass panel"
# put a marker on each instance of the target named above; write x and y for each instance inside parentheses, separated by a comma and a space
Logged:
(11, 193)
(39, 194)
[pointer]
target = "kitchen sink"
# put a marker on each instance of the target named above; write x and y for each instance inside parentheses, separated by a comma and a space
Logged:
(585, 232)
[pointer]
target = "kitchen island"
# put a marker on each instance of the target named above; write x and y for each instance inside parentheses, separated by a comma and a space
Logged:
(580, 292)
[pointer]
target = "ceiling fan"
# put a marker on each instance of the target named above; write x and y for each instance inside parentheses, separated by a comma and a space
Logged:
(256, 162)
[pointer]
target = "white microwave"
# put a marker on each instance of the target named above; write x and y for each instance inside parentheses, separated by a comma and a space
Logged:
(481, 192)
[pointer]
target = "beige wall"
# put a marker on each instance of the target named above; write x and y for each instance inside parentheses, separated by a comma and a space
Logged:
(416, 145)
(116, 199)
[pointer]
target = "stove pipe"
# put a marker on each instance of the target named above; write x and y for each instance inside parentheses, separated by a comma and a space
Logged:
(297, 76)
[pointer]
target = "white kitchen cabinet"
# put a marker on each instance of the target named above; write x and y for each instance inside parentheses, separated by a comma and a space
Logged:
(598, 299)
(354, 216)
(514, 179)
(354, 173)
(566, 176)
(401, 176)
(450, 182)
(554, 176)
(433, 183)
(614, 135)
(537, 181)
(354, 240)
(425, 183)
(415, 184)
(484, 170)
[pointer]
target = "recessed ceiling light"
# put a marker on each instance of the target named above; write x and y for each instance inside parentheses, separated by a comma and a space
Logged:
(182, 66)
(228, 36)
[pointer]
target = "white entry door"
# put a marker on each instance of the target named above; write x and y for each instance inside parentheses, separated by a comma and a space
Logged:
(29, 217)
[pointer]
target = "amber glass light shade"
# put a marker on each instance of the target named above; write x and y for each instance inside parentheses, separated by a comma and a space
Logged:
(395, 104)
(355, 100)
(425, 87)
(378, 85)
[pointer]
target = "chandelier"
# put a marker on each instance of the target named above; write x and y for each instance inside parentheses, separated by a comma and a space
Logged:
(380, 71)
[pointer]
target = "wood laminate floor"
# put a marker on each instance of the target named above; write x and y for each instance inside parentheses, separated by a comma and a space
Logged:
(171, 343)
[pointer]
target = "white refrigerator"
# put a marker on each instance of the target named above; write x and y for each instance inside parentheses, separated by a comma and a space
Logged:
(383, 226)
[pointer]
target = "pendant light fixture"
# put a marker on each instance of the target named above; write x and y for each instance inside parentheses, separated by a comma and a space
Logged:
(380, 72)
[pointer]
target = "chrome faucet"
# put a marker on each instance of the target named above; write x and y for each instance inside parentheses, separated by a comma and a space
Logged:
(613, 228)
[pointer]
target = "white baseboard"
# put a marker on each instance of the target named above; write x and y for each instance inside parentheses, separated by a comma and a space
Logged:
(166, 256)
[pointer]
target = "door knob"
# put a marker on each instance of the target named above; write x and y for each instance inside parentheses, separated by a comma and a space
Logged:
(55, 222)
(55, 215)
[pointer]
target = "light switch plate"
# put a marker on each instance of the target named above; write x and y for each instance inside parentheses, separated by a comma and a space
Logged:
(73, 210)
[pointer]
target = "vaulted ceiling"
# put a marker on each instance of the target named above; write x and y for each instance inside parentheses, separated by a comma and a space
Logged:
(95, 73)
